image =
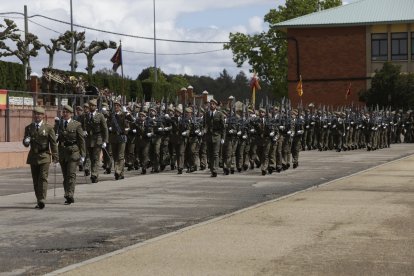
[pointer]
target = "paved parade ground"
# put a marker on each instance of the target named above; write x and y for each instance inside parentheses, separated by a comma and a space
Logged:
(357, 218)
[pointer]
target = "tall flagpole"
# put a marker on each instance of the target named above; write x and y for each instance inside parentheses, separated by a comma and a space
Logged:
(122, 69)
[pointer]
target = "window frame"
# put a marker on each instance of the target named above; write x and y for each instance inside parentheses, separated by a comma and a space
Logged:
(380, 56)
(399, 55)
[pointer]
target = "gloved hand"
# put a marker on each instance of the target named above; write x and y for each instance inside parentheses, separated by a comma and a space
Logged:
(184, 133)
(244, 137)
(104, 109)
(149, 135)
(82, 159)
(200, 133)
(124, 109)
(289, 132)
(272, 134)
(160, 129)
(104, 145)
(197, 131)
(313, 123)
(252, 130)
(85, 133)
(300, 132)
(167, 128)
(281, 127)
(222, 141)
(166, 116)
(27, 141)
(126, 129)
(292, 134)
(109, 129)
(239, 133)
(134, 131)
(57, 119)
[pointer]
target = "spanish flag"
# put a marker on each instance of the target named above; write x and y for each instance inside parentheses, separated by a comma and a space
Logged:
(3, 99)
(254, 85)
(299, 87)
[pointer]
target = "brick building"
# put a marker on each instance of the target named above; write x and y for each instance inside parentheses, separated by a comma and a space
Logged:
(343, 46)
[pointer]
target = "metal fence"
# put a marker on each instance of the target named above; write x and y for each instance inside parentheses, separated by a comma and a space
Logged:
(16, 112)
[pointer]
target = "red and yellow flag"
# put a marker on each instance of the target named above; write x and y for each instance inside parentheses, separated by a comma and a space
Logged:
(254, 85)
(299, 87)
(3, 99)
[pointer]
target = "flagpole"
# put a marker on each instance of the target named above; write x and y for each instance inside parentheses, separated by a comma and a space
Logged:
(254, 97)
(122, 70)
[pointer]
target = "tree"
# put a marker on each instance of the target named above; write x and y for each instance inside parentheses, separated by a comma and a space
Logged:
(94, 48)
(390, 88)
(51, 50)
(78, 42)
(23, 51)
(266, 52)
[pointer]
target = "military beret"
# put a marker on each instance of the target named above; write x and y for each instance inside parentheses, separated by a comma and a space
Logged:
(39, 109)
(79, 107)
(190, 87)
(117, 102)
(179, 110)
(311, 105)
(153, 109)
(85, 105)
(205, 92)
(250, 110)
(188, 110)
(93, 102)
(213, 101)
(142, 114)
(171, 108)
(183, 89)
(68, 108)
(262, 109)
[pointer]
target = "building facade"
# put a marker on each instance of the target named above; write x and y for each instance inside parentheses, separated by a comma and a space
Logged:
(341, 48)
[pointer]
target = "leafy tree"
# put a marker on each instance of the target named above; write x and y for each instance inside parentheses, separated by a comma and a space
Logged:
(51, 50)
(23, 51)
(94, 48)
(266, 52)
(390, 88)
(66, 43)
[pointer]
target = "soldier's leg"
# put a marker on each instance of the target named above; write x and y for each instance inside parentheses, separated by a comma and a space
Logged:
(95, 156)
(71, 180)
(295, 151)
(39, 176)
(233, 155)
(246, 154)
(279, 153)
(129, 155)
(265, 155)
(203, 154)
(272, 155)
(155, 160)
(64, 168)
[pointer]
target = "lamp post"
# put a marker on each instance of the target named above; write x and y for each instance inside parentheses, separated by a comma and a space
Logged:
(72, 42)
(155, 47)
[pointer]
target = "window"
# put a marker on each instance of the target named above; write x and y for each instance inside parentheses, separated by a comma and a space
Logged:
(412, 46)
(379, 47)
(399, 46)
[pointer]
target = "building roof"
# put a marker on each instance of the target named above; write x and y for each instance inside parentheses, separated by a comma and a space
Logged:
(362, 12)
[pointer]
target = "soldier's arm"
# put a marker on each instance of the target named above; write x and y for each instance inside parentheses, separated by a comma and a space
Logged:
(53, 144)
(80, 140)
(104, 129)
(26, 135)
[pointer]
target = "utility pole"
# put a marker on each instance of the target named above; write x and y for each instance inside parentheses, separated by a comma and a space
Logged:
(72, 40)
(155, 48)
(26, 48)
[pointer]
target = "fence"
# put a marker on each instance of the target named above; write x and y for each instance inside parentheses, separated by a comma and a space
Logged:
(16, 110)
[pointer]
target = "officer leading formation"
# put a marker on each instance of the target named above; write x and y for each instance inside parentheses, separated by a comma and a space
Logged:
(236, 137)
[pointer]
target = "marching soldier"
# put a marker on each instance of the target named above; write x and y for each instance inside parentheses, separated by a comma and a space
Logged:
(41, 138)
(143, 140)
(214, 124)
(71, 150)
(157, 129)
(98, 135)
(118, 128)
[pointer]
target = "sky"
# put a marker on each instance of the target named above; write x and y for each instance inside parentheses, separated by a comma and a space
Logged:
(184, 20)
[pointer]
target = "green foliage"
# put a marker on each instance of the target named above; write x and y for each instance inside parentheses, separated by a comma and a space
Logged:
(267, 52)
(390, 88)
(11, 76)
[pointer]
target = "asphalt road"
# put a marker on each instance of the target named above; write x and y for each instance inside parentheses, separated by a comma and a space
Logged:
(112, 214)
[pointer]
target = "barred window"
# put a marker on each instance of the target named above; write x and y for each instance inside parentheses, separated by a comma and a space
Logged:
(412, 46)
(379, 46)
(399, 46)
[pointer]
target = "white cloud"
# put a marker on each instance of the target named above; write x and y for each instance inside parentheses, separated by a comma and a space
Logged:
(256, 24)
